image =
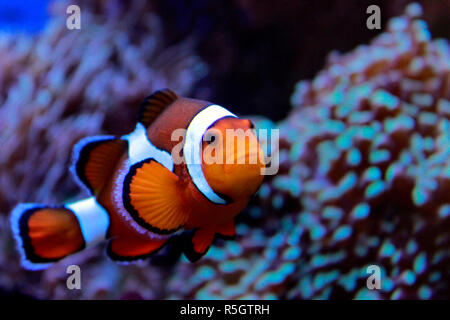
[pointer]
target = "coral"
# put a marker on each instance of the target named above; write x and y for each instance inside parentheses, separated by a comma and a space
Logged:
(364, 180)
(61, 85)
(67, 84)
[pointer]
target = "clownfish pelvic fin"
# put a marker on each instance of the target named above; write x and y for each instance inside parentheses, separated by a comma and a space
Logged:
(199, 241)
(226, 230)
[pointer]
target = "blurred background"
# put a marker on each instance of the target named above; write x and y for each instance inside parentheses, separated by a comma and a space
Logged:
(364, 119)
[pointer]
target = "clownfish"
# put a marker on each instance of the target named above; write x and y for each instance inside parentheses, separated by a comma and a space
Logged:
(139, 196)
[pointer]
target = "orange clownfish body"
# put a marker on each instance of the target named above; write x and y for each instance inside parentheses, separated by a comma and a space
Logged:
(183, 167)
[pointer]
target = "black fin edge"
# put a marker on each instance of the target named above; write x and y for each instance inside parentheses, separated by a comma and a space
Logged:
(116, 257)
(83, 157)
(26, 240)
(127, 201)
(167, 93)
(188, 247)
(225, 237)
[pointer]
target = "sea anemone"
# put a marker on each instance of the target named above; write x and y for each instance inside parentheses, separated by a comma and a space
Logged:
(364, 180)
(61, 85)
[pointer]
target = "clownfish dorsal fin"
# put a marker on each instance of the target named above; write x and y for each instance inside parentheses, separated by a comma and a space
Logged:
(154, 104)
(153, 196)
(95, 159)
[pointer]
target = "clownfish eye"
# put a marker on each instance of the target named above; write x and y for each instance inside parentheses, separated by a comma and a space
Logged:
(210, 137)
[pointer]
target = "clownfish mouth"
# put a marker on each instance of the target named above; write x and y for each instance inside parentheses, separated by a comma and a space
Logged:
(247, 158)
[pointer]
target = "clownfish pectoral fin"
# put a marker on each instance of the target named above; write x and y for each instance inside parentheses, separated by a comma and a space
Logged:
(154, 104)
(226, 230)
(131, 248)
(153, 196)
(95, 159)
(199, 243)
(45, 235)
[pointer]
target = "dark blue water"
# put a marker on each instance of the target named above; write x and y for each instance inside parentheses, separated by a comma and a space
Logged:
(23, 15)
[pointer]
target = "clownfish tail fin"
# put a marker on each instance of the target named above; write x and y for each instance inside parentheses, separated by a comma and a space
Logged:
(46, 234)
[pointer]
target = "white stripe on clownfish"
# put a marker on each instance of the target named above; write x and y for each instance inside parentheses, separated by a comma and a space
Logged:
(192, 149)
(93, 219)
(141, 148)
